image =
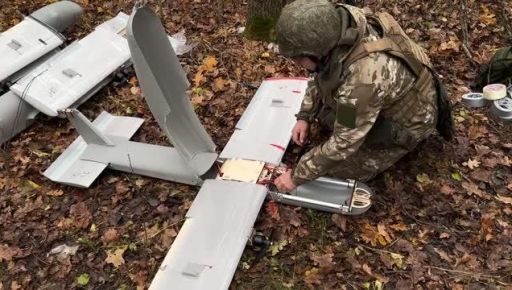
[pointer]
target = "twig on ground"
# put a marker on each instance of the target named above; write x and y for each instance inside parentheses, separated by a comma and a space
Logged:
(465, 38)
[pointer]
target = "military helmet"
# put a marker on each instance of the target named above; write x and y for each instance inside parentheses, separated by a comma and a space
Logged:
(308, 28)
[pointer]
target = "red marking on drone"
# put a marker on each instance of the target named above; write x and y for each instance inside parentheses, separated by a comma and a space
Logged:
(278, 147)
(297, 91)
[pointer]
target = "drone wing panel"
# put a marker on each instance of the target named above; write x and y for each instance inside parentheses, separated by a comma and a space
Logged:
(264, 130)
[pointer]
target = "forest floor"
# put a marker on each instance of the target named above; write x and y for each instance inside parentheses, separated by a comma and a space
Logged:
(441, 217)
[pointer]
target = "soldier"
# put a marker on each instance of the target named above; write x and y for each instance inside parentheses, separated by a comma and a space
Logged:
(374, 88)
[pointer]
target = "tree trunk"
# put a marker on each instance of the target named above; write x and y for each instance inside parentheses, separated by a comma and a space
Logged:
(262, 18)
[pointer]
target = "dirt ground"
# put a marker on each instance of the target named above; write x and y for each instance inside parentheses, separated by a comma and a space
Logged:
(441, 217)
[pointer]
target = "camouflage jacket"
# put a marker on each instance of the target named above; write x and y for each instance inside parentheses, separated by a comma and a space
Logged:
(367, 85)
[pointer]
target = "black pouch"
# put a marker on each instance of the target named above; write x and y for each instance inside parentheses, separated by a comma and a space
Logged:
(444, 124)
(386, 134)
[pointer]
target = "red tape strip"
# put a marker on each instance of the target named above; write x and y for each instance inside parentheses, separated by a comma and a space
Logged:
(278, 147)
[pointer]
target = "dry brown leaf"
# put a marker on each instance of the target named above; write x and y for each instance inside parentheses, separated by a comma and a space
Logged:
(139, 279)
(384, 233)
(7, 253)
(476, 132)
(482, 175)
(219, 84)
(115, 257)
(367, 269)
(371, 235)
(504, 199)
(210, 63)
(135, 90)
(167, 237)
(472, 163)
(472, 188)
(446, 189)
(490, 162)
(340, 221)
(197, 100)
(57, 192)
(487, 17)
(270, 69)
(323, 261)
(443, 255)
(198, 78)
(110, 235)
(15, 285)
(273, 210)
(486, 226)
(399, 227)
(80, 215)
(444, 235)
(312, 277)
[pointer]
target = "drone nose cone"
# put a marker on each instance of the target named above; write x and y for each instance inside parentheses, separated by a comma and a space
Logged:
(59, 15)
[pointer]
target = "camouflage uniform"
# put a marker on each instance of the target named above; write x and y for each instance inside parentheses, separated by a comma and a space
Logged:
(355, 100)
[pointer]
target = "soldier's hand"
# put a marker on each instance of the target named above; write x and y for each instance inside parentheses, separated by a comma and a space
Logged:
(300, 132)
(284, 183)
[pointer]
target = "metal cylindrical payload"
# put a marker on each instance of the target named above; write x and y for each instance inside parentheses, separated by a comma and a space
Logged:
(15, 115)
(59, 15)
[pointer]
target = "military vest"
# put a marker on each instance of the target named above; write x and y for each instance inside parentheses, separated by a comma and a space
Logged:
(395, 42)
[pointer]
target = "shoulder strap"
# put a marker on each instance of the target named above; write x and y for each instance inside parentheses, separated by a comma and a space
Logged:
(385, 45)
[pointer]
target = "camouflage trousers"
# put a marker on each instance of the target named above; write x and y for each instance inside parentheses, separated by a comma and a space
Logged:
(368, 161)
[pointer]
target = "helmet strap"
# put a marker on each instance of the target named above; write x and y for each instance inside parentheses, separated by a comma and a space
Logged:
(349, 33)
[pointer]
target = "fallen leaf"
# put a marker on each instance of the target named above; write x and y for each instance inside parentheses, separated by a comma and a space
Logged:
(472, 163)
(80, 215)
(423, 178)
(381, 228)
(446, 189)
(444, 236)
(400, 227)
(504, 199)
(323, 261)
(83, 279)
(167, 237)
(312, 277)
(398, 259)
(63, 251)
(486, 226)
(7, 253)
(270, 69)
(473, 189)
(340, 221)
(139, 279)
(457, 176)
(15, 285)
(218, 84)
(443, 255)
(115, 257)
(210, 63)
(273, 210)
(198, 78)
(265, 55)
(57, 192)
(487, 17)
(110, 235)
(32, 185)
(367, 269)
(135, 90)
(275, 248)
